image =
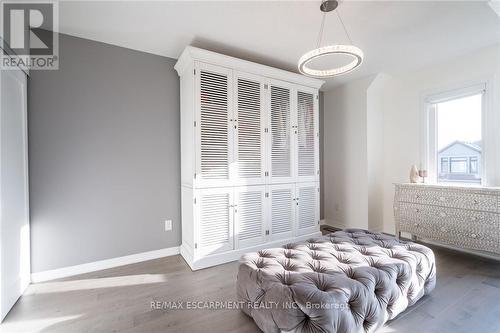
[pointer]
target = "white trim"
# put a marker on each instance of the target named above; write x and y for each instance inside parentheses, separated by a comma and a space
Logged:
(192, 53)
(456, 93)
(334, 223)
(102, 264)
(428, 128)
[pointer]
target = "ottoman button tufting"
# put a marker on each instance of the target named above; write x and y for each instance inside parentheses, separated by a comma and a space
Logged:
(376, 279)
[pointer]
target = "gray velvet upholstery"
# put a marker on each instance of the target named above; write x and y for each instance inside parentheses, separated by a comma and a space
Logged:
(348, 281)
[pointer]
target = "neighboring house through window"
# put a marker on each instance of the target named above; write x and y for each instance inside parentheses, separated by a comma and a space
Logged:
(459, 162)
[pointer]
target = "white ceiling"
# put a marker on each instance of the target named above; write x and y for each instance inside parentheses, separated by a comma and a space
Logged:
(394, 35)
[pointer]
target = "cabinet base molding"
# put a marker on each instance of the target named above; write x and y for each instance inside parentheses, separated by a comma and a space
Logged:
(224, 257)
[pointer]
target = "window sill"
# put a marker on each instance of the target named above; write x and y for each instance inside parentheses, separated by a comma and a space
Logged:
(440, 185)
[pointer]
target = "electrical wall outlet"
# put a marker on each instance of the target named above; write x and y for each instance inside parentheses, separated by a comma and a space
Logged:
(168, 225)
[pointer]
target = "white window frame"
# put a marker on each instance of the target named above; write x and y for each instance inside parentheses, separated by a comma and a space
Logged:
(476, 160)
(429, 130)
(447, 164)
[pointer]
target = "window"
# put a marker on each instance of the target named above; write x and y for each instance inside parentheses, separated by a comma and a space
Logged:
(473, 165)
(455, 137)
(458, 165)
(445, 167)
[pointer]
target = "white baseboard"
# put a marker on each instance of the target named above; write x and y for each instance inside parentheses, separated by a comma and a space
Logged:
(333, 223)
(102, 264)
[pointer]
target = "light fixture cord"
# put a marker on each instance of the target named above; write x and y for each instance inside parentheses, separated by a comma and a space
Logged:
(320, 36)
(343, 26)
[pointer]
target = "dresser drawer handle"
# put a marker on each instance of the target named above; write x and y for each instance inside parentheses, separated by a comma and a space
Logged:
(442, 199)
(442, 214)
(417, 210)
(473, 235)
(417, 196)
(475, 201)
(474, 218)
(416, 225)
(443, 229)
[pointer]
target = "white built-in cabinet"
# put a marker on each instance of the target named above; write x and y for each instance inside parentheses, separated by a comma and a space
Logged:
(249, 157)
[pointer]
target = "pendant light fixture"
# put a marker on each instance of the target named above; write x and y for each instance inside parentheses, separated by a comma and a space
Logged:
(331, 50)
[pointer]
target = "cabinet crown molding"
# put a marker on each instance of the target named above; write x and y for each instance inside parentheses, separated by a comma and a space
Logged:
(191, 54)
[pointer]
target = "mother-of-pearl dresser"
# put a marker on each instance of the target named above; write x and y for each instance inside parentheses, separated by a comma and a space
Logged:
(459, 216)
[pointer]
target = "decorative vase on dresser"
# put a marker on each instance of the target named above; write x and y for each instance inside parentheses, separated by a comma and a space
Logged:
(458, 216)
(249, 157)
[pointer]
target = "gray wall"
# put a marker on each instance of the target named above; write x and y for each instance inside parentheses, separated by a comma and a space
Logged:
(104, 155)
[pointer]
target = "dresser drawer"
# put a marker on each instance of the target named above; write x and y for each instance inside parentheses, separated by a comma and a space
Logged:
(471, 229)
(416, 219)
(473, 201)
(465, 199)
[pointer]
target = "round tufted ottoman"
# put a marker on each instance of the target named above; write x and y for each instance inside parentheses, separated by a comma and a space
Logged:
(348, 281)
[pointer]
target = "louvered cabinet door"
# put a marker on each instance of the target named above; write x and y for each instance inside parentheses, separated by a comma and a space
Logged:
(307, 128)
(214, 128)
(307, 197)
(281, 148)
(249, 215)
(249, 126)
(213, 221)
(281, 211)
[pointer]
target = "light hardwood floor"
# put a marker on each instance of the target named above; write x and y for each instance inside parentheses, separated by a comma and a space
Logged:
(466, 299)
